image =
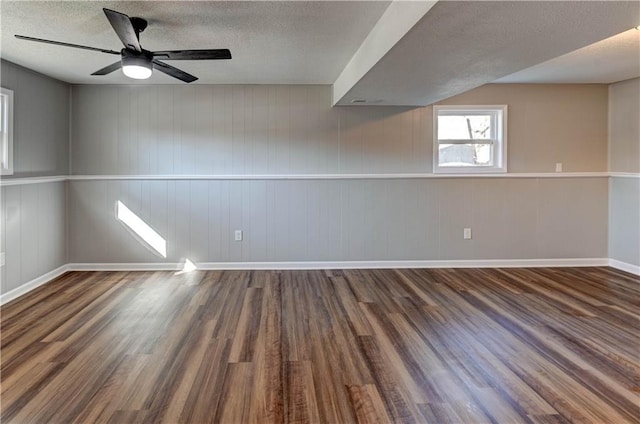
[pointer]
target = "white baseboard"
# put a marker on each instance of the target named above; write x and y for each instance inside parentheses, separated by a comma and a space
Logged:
(146, 266)
(633, 269)
(33, 284)
(172, 266)
(493, 263)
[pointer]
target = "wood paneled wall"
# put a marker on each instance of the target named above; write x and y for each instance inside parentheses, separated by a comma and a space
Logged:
(228, 130)
(624, 192)
(338, 220)
(259, 130)
(34, 233)
(41, 122)
(173, 130)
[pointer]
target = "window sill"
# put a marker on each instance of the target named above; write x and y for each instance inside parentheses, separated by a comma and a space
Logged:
(469, 171)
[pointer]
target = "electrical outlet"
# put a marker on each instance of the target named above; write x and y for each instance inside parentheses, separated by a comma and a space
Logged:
(467, 234)
(559, 167)
(238, 235)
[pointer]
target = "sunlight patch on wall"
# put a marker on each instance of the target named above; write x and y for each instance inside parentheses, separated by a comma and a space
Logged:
(141, 229)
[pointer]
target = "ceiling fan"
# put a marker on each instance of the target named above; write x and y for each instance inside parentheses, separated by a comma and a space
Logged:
(135, 61)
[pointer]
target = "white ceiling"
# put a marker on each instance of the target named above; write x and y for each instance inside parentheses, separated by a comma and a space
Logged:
(442, 49)
(272, 42)
(460, 45)
(614, 59)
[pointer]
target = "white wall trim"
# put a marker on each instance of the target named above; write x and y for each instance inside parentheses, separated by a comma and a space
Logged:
(339, 176)
(40, 180)
(491, 263)
(633, 269)
(33, 284)
(173, 266)
(32, 180)
(625, 174)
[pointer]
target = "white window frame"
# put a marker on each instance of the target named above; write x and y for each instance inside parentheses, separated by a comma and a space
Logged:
(6, 144)
(499, 140)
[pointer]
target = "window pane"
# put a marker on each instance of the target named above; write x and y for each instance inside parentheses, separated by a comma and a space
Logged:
(464, 127)
(465, 154)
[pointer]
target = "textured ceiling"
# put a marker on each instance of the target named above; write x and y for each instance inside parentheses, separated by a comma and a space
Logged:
(281, 42)
(460, 45)
(454, 47)
(614, 59)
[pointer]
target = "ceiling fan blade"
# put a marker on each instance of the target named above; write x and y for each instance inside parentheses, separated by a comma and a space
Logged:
(215, 54)
(122, 25)
(59, 43)
(108, 69)
(174, 72)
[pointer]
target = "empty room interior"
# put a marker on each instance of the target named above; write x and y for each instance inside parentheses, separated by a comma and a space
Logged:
(320, 212)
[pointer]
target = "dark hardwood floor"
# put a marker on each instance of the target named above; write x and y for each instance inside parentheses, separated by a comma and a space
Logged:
(440, 346)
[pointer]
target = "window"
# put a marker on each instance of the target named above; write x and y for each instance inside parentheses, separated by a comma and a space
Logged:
(470, 139)
(6, 132)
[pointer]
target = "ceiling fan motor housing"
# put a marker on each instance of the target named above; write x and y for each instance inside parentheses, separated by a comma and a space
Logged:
(138, 24)
(132, 58)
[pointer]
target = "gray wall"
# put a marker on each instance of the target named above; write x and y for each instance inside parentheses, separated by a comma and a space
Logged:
(33, 232)
(232, 130)
(624, 156)
(41, 122)
(202, 129)
(624, 220)
(336, 220)
(624, 126)
(33, 217)
(549, 123)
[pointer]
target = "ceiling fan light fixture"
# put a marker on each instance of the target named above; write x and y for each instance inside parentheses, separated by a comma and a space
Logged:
(136, 62)
(137, 67)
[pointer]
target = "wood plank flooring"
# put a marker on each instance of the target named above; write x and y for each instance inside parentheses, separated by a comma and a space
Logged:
(370, 346)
